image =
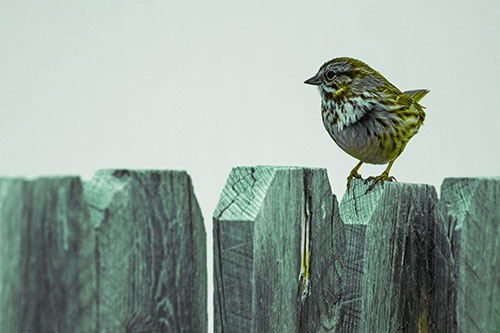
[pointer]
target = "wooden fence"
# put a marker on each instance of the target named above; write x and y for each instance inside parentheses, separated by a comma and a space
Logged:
(125, 252)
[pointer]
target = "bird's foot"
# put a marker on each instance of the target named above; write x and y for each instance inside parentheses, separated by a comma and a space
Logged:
(354, 174)
(382, 178)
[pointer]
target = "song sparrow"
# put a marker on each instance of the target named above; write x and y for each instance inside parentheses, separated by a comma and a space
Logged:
(366, 115)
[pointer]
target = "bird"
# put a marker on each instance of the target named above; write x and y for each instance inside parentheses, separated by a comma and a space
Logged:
(366, 115)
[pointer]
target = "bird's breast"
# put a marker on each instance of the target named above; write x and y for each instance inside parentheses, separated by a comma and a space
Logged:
(367, 137)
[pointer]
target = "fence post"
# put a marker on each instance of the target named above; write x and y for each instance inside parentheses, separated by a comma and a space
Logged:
(123, 252)
(267, 220)
(46, 274)
(472, 209)
(391, 256)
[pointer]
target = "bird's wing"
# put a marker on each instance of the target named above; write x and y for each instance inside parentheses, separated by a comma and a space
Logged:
(403, 104)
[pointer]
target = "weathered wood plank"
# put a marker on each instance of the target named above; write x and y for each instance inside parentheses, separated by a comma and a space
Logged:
(472, 208)
(150, 252)
(123, 252)
(266, 219)
(47, 282)
(356, 210)
(391, 259)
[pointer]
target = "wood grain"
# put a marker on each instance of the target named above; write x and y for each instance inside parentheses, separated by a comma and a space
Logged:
(391, 259)
(265, 218)
(47, 281)
(124, 252)
(472, 208)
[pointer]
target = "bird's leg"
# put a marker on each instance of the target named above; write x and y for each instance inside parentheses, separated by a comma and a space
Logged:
(354, 174)
(383, 177)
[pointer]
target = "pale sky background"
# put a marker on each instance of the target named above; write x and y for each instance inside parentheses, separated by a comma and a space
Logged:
(205, 86)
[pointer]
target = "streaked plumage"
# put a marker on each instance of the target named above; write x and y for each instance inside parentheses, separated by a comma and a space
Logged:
(366, 115)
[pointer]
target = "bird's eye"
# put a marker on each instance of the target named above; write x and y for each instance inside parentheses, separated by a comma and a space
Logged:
(330, 75)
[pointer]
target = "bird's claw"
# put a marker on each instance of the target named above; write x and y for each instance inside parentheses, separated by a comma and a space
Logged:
(382, 178)
(353, 174)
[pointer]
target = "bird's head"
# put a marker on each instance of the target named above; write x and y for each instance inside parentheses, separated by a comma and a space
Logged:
(344, 77)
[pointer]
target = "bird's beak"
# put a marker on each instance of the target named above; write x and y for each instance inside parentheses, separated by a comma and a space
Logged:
(314, 80)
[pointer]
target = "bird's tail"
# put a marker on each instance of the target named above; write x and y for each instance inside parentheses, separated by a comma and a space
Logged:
(416, 95)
